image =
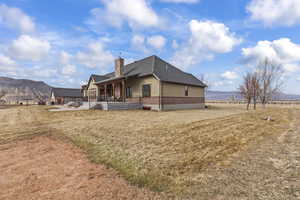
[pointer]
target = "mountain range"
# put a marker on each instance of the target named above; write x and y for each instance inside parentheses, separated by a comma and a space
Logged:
(235, 95)
(21, 89)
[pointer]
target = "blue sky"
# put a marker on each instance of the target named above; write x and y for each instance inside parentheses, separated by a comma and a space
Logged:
(62, 42)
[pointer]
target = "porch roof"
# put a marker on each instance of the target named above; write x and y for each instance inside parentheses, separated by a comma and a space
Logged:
(109, 80)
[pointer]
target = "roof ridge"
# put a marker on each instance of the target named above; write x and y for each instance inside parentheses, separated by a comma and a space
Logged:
(97, 75)
(137, 61)
(140, 60)
(153, 64)
(66, 88)
(170, 64)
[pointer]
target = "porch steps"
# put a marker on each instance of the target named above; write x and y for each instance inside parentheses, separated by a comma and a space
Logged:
(120, 106)
(90, 105)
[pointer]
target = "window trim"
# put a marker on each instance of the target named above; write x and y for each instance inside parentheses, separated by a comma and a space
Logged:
(143, 95)
(128, 92)
(186, 90)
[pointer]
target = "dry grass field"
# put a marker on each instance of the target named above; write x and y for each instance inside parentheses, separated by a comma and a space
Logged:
(223, 152)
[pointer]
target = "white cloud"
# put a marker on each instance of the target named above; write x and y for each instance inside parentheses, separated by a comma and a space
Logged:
(213, 36)
(207, 38)
(282, 51)
(275, 12)
(16, 19)
(65, 57)
(69, 70)
(223, 83)
(175, 44)
(7, 65)
(141, 43)
(6, 61)
(137, 13)
(229, 75)
(41, 72)
(157, 41)
(180, 1)
(298, 79)
(138, 43)
(138, 40)
(291, 67)
(29, 48)
(96, 57)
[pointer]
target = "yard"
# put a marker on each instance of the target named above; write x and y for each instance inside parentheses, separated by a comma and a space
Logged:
(223, 152)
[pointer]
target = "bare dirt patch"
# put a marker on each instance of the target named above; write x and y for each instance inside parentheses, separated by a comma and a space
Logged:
(43, 168)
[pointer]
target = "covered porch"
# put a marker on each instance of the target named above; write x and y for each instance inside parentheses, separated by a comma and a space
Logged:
(111, 90)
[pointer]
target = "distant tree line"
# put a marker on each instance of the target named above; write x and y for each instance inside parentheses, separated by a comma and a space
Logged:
(262, 84)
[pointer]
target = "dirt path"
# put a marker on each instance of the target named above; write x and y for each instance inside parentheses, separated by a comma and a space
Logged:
(43, 168)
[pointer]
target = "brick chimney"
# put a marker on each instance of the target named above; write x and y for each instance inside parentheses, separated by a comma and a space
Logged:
(119, 67)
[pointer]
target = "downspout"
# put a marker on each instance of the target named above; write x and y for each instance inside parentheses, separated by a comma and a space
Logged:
(161, 93)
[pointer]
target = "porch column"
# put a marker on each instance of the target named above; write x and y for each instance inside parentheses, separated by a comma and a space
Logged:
(100, 87)
(105, 92)
(98, 93)
(123, 90)
(114, 91)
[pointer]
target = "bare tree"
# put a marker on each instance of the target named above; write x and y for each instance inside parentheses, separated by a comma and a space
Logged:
(246, 89)
(204, 79)
(37, 95)
(2, 93)
(255, 88)
(270, 80)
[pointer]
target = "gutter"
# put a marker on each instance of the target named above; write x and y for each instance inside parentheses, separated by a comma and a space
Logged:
(160, 91)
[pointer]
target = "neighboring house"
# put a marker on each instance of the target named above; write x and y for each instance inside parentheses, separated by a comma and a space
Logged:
(65, 95)
(20, 100)
(151, 82)
(84, 92)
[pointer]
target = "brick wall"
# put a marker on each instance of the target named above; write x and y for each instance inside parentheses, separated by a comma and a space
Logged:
(182, 100)
(167, 100)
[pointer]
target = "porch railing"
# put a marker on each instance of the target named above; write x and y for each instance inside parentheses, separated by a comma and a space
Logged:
(110, 99)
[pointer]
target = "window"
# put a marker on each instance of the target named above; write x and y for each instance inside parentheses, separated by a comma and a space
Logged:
(146, 90)
(186, 91)
(128, 92)
(92, 94)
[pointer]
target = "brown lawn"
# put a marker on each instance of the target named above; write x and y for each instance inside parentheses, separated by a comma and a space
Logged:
(179, 154)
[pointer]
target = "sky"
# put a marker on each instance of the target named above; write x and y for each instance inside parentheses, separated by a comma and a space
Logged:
(63, 42)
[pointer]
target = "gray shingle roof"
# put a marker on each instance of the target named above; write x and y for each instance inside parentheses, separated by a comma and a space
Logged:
(98, 77)
(168, 73)
(66, 92)
(163, 70)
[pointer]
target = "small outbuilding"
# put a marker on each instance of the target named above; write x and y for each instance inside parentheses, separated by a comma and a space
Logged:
(65, 95)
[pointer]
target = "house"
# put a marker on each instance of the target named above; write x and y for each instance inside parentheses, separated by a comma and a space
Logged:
(84, 92)
(20, 100)
(151, 82)
(65, 95)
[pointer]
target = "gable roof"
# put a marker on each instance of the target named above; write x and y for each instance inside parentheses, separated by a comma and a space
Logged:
(66, 92)
(168, 73)
(161, 69)
(96, 78)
